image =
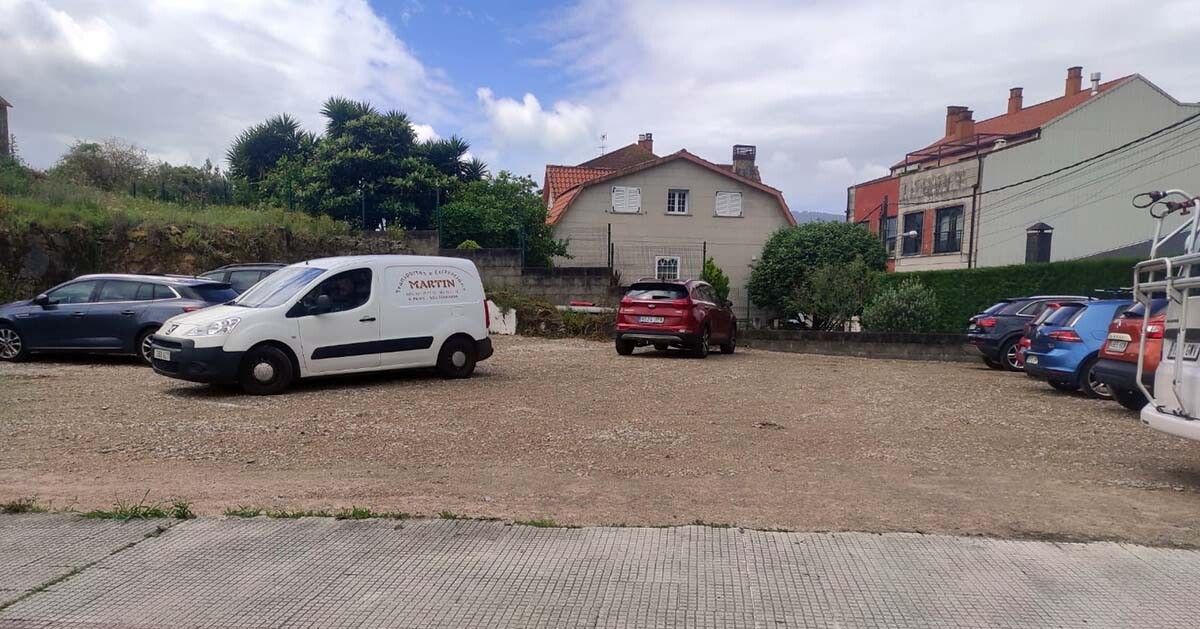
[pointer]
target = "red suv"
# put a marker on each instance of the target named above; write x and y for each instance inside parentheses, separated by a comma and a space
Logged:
(675, 313)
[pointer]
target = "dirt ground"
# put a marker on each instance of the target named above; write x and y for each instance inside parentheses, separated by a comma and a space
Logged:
(568, 430)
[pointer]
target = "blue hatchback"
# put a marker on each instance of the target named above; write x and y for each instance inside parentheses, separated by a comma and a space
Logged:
(102, 314)
(1065, 346)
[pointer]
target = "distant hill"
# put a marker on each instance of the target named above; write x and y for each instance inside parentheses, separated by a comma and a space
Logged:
(813, 217)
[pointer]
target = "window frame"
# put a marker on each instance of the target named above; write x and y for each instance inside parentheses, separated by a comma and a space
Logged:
(660, 259)
(91, 294)
(677, 192)
(958, 231)
(917, 242)
(889, 242)
(304, 309)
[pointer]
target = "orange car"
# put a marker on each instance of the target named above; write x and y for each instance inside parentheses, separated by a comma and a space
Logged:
(1117, 366)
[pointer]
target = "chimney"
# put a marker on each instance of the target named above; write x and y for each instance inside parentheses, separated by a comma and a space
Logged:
(1015, 100)
(646, 141)
(1074, 80)
(952, 113)
(743, 161)
(965, 127)
(1095, 83)
(5, 149)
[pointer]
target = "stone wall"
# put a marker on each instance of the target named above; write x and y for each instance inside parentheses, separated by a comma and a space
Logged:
(502, 269)
(943, 347)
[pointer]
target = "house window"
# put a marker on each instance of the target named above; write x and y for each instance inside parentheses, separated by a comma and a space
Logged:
(889, 235)
(626, 200)
(948, 235)
(677, 201)
(914, 222)
(729, 204)
(666, 267)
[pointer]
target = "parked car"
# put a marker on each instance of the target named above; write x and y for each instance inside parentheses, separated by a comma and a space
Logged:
(242, 276)
(677, 313)
(102, 314)
(996, 332)
(334, 316)
(1065, 347)
(1031, 329)
(1117, 366)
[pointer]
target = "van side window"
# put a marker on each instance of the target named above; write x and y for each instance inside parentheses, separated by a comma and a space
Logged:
(346, 290)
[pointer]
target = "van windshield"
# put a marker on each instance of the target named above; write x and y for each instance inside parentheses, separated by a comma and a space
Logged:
(277, 288)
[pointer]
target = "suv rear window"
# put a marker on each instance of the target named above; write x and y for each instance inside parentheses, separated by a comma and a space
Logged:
(993, 309)
(1063, 315)
(213, 293)
(656, 291)
(1012, 307)
(1137, 310)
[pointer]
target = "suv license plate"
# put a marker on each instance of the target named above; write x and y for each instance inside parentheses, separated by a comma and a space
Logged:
(1117, 347)
(162, 354)
(650, 319)
(1032, 360)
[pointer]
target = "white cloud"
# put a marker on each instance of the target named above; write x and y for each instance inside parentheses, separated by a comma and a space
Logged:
(183, 78)
(425, 132)
(526, 124)
(863, 81)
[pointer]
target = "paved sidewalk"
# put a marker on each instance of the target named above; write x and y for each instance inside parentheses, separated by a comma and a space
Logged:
(447, 573)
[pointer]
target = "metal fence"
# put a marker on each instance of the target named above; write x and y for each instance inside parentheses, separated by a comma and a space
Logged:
(634, 257)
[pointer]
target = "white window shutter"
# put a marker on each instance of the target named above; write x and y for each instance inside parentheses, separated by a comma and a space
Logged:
(729, 204)
(634, 199)
(626, 200)
(618, 199)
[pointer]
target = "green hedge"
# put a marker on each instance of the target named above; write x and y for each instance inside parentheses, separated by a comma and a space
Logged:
(964, 292)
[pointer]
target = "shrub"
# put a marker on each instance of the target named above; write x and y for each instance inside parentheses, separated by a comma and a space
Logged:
(716, 277)
(962, 293)
(906, 307)
(468, 245)
(792, 252)
(540, 318)
(835, 293)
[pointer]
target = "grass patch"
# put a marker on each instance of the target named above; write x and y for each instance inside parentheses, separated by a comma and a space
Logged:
(541, 523)
(450, 515)
(141, 510)
(28, 504)
(350, 513)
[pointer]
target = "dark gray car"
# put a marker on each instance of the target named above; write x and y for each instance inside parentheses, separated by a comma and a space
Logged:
(112, 314)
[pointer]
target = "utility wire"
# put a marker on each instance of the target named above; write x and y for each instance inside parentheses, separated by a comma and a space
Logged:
(1056, 171)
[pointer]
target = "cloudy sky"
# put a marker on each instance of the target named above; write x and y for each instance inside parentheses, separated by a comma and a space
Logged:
(830, 91)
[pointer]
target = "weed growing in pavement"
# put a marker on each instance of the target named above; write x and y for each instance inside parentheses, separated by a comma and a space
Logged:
(363, 513)
(23, 505)
(544, 523)
(450, 515)
(243, 512)
(351, 513)
(182, 510)
(179, 509)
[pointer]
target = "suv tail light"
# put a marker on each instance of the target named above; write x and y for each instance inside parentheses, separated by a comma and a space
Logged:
(1154, 331)
(986, 322)
(1065, 336)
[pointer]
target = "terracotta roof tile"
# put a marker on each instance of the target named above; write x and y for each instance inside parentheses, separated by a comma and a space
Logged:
(1026, 120)
(561, 178)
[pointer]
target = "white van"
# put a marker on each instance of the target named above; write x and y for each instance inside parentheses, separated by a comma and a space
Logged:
(334, 316)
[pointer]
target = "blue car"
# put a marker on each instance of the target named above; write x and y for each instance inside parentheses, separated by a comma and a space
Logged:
(110, 314)
(1065, 347)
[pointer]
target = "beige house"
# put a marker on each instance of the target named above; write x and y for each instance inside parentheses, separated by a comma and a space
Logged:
(651, 216)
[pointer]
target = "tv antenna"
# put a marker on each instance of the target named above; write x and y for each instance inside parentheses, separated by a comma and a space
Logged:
(603, 142)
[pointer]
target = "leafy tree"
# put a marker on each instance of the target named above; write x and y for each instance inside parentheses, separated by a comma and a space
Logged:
(791, 253)
(111, 165)
(502, 211)
(259, 149)
(716, 277)
(908, 307)
(834, 294)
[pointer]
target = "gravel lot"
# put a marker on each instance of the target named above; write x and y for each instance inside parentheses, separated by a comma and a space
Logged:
(569, 431)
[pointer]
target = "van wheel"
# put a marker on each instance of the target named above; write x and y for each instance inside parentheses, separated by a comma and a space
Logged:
(624, 347)
(12, 346)
(1091, 386)
(265, 370)
(1130, 399)
(457, 358)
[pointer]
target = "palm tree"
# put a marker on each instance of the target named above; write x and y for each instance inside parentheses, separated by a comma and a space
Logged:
(474, 170)
(341, 111)
(258, 149)
(446, 155)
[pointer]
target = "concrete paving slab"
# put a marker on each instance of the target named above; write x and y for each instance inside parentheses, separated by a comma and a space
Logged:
(446, 573)
(38, 548)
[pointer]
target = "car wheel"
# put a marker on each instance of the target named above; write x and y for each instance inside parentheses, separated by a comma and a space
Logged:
(1062, 385)
(729, 346)
(265, 370)
(457, 358)
(624, 347)
(993, 364)
(701, 348)
(12, 346)
(1130, 399)
(1008, 356)
(144, 349)
(1091, 386)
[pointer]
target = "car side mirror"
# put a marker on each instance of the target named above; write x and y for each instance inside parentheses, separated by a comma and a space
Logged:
(324, 304)
(42, 300)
